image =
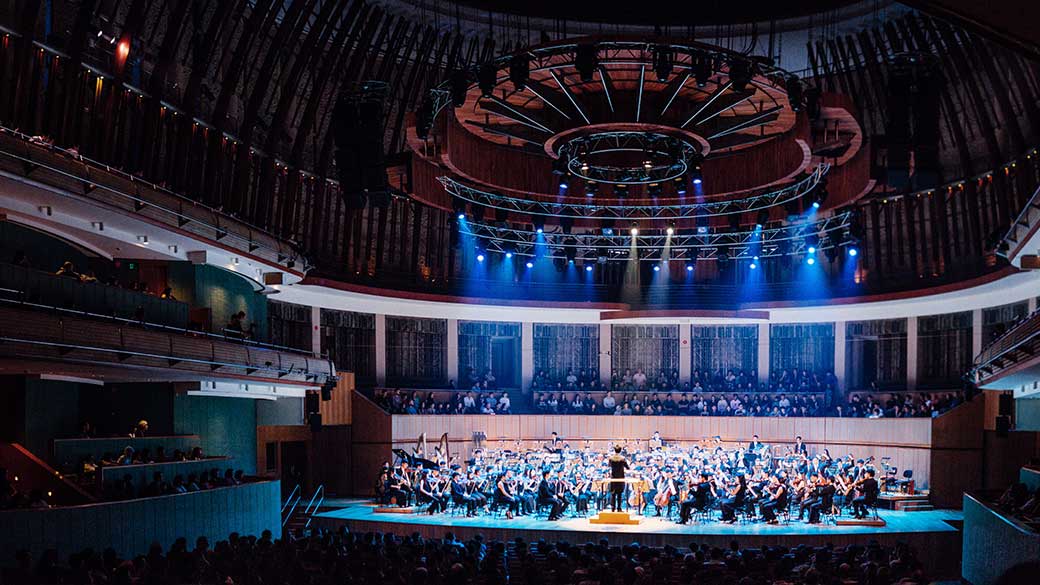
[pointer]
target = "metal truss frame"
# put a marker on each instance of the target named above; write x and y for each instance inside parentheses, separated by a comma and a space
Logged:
(692, 209)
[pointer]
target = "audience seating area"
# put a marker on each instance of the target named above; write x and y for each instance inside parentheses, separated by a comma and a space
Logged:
(857, 404)
(1002, 530)
(345, 557)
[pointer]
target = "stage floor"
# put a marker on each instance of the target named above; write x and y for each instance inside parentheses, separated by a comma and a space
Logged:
(933, 533)
(932, 521)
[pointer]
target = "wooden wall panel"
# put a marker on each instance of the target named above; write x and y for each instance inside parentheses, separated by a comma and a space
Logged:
(957, 452)
(337, 411)
(370, 443)
(907, 441)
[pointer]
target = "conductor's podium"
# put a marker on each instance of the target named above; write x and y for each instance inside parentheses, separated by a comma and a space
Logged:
(605, 517)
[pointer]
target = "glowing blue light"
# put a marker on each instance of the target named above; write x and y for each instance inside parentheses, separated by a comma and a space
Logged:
(480, 257)
(689, 268)
(570, 261)
(509, 255)
(530, 264)
(853, 251)
(810, 261)
(539, 230)
(588, 269)
(753, 266)
(697, 181)
(815, 204)
(657, 268)
(812, 249)
(462, 216)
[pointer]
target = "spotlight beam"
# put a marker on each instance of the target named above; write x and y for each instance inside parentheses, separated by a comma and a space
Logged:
(570, 96)
(547, 95)
(500, 107)
(679, 83)
(718, 92)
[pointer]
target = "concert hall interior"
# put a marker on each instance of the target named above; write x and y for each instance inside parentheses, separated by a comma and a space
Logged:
(450, 292)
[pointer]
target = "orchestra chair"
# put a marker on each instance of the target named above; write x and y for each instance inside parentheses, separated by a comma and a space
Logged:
(747, 512)
(890, 479)
(908, 480)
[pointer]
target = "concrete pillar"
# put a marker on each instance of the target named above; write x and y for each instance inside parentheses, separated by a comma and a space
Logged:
(526, 354)
(839, 356)
(685, 352)
(316, 330)
(976, 332)
(763, 353)
(380, 350)
(605, 335)
(452, 370)
(911, 353)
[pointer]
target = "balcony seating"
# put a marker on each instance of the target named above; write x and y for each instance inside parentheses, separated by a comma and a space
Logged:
(68, 453)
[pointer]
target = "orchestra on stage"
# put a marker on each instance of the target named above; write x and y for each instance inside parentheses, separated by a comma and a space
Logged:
(691, 482)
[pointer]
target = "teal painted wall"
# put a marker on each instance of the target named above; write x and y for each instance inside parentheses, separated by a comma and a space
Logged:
(221, 291)
(51, 412)
(1027, 414)
(45, 251)
(226, 426)
(131, 527)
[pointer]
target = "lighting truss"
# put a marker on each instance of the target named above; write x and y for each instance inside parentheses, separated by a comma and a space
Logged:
(676, 152)
(635, 211)
(682, 245)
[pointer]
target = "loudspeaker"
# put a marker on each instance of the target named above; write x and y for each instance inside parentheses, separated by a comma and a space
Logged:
(311, 402)
(357, 127)
(1003, 425)
(1007, 405)
(315, 421)
(326, 390)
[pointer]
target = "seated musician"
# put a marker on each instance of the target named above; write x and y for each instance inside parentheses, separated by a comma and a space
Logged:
(547, 496)
(799, 446)
(868, 495)
(751, 454)
(400, 489)
(555, 444)
(823, 500)
(504, 494)
(579, 493)
(655, 441)
(527, 491)
(382, 485)
(665, 489)
(697, 498)
(735, 500)
(427, 492)
(777, 501)
(461, 495)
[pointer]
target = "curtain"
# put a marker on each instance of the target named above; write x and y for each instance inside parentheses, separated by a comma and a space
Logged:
(995, 320)
(943, 349)
(562, 347)
(650, 348)
(724, 347)
(350, 340)
(475, 339)
(416, 352)
(289, 325)
(875, 351)
(801, 346)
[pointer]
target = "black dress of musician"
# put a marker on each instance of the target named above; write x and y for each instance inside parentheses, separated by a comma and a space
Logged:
(729, 505)
(618, 465)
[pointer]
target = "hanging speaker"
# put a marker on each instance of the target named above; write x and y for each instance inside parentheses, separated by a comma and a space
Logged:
(1007, 405)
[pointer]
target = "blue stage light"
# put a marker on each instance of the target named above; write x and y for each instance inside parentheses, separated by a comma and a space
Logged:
(689, 268)
(697, 181)
(753, 266)
(530, 264)
(480, 257)
(509, 255)
(462, 216)
(812, 249)
(815, 204)
(657, 268)
(588, 269)
(853, 251)
(810, 261)
(539, 230)
(570, 261)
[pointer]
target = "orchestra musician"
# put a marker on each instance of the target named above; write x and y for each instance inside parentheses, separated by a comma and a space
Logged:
(777, 500)
(655, 442)
(547, 496)
(428, 492)
(618, 465)
(665, 490)
(735, 500)
(504, 494)
(555, 444)
(799, 447)
(460, 495)
(698, 497)
(869, 489)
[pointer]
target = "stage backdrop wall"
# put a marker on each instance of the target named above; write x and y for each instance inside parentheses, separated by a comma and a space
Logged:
(906, 441)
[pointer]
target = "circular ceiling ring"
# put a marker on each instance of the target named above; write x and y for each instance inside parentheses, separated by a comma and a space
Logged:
(663, 157)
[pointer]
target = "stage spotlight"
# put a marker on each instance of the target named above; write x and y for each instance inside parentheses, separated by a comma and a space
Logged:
(695, 170)
(634, 231)
(820, 195)
(680, 185)
(480, 257)
(689, 268)
(564, 182)
(740, 74)
(648, 164)
(657, 268)
(487, 75)
(654, 189)
(462, 216)
(539, 230)
(662, 62)
(702, 69)
(588, 268)
(459, 85)
(810, 260)
(762, 218)
(509, 255)
(753, 265)
(590, 188)
(519, 70)
(586, 60)
(621, 191)
(669, 230)
(812, 249)
(853, 251)
(530, 264)
(816, 204)
(795, 92)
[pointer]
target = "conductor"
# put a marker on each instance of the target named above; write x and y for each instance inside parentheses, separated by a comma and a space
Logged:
(618, 465)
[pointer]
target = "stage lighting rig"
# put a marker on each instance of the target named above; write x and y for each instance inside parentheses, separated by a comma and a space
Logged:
(795, 92)
(740, 73)
(487, 76)
(459, 85)
(520, 70)
(702, 67)
(662, 62)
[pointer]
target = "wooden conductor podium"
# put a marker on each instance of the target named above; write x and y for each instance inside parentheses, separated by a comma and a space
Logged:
(638, 487)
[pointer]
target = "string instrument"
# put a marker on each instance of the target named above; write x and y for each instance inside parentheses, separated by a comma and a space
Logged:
(662, 497)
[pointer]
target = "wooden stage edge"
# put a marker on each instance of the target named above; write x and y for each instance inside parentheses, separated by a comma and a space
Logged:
(931, 533)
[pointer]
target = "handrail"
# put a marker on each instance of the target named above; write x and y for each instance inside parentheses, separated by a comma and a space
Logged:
(183, 199)
(320, 490)
(1021, 219)
(291, 494)
(1014, 337)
